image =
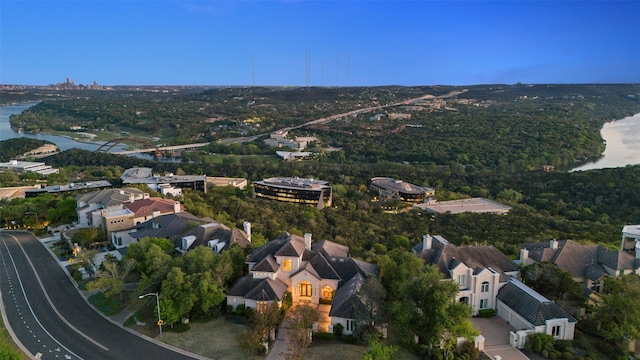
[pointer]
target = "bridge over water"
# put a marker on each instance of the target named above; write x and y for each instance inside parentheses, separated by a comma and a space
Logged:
(162, 149)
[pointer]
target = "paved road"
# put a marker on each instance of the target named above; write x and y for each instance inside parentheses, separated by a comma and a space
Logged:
(327, 119)
(50, 317)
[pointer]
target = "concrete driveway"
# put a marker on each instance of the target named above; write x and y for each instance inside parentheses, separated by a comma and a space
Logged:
(496, 338)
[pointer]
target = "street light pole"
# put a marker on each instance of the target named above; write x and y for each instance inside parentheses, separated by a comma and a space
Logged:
(158, 306)
(34, 213)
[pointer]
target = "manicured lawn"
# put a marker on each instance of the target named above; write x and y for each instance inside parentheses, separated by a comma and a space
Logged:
(215, 339)
(322, 350)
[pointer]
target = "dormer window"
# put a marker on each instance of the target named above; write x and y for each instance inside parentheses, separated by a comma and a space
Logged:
(462, 280)
(286, 265)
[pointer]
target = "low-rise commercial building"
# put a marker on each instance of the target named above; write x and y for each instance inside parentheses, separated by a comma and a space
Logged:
(296, 190)
(389, 188)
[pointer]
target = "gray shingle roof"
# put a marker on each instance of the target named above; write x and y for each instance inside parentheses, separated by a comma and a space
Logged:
(267, 290)
(268, 264)
(532, 306)
(329, 249)
(271, 247)
(346, 303)
(258, 289)
(581, 260)
(447, 256)
(165, 226)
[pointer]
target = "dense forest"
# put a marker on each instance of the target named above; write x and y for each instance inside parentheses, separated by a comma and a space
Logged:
(505, 128)
(485, 141)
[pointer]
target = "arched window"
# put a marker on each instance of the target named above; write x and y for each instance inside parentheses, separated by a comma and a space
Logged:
(304, 289)
(485, 287)
(286, 265)
(327, 293)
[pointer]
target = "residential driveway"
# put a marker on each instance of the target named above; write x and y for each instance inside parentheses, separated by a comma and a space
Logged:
(496, 338)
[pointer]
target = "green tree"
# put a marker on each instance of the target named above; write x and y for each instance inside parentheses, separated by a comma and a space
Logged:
(427, 308)
(619, 313)
(379, 351)
(552, 282)
(110, 277)
(177, 295)
(397, 266)
(300, 330)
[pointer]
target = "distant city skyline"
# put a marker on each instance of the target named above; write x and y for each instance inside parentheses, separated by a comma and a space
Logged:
(318, 43)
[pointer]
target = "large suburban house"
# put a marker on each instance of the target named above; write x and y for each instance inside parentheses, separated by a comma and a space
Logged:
(186, 231)
(118, 209)
(479, 271)
(588, 264)
(318, 273)
(529, 312)
(488, 279)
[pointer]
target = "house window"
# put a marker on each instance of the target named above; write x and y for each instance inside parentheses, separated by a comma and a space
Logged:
(286, 265)
(261, 306)
(555, 331)
(596, 286)
(462, 280)
(485, 287)
(304, 288)
(327, 293)
(351, 325)
(464, 300)
(484, 303)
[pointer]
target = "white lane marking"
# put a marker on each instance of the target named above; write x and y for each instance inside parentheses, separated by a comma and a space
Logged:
(46, 295)
(27, 300)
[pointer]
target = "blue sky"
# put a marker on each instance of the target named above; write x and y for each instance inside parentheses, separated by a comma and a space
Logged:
(357, 43)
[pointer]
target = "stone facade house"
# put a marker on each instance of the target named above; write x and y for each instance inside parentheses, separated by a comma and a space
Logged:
(313, 274)
(479, 271)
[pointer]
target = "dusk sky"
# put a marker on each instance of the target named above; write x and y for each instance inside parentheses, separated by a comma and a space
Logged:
(356, 43)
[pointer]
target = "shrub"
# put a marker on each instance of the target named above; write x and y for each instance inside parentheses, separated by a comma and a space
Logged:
(537, 345)
(544, 354)
(562, 345)
(323, 336)
(240, 310)
(486, 313)
(338, 329)
(469, 350)
(567, 355)
(350, 339)
(553, 355)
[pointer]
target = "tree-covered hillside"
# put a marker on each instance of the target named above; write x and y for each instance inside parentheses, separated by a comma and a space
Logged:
(11, 148)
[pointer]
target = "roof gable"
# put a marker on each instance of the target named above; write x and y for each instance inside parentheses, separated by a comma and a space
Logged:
(346, 303)
(532, 306)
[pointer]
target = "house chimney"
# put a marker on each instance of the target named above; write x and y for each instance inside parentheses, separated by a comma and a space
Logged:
(247, 229)
(524, 256)
(427, 241)
(307, 241)
(177, 207)
(553, 244)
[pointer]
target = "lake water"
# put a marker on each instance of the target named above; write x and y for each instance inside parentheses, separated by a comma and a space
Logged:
(623, 144)
(63, 143)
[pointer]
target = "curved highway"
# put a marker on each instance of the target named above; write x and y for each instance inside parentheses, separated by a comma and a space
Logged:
(50, 317)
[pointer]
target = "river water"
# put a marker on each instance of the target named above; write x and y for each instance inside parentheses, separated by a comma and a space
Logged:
(63, 143)
(623, 144)
(622, 137)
